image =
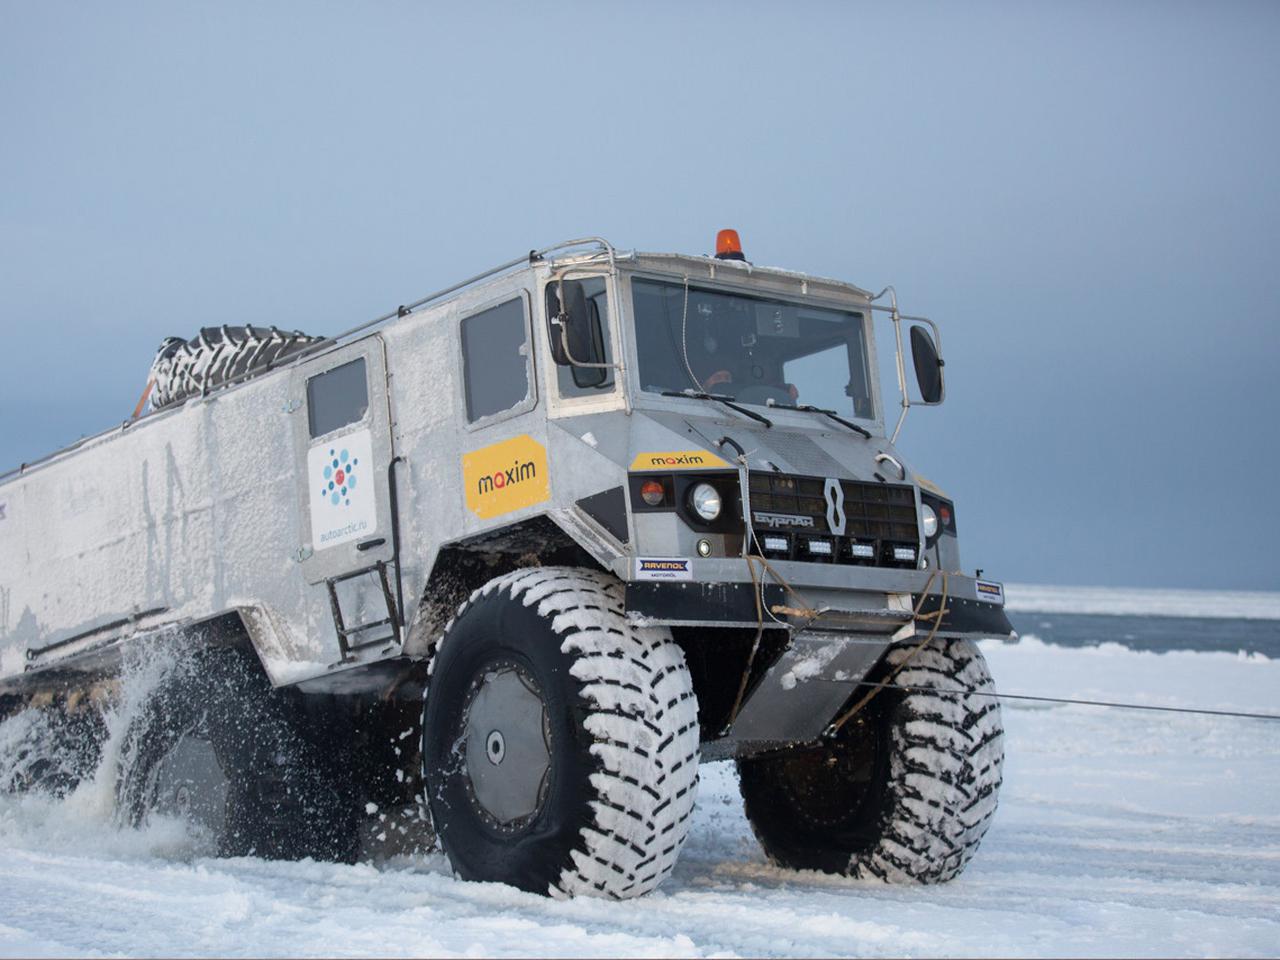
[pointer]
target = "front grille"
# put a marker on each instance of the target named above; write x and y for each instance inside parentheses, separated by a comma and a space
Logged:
(879, 517)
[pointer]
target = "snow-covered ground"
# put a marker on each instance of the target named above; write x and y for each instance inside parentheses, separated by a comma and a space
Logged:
(1242, 604)
(1119, 833)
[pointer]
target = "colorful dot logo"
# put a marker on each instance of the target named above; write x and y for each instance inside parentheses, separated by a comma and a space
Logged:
(339, 478)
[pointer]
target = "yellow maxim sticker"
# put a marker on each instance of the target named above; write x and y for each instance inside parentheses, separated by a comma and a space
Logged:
(677, 460)
(506, 476)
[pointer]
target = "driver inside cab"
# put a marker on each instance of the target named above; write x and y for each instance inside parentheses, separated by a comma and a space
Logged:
(731, 365)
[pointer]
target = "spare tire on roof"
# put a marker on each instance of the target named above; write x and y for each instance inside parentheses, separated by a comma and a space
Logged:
(219, 355)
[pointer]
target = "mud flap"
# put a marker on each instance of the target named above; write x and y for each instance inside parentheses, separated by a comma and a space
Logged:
(803, 690)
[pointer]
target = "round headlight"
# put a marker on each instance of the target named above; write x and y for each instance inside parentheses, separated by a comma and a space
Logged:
(930, 520)
(706, 501)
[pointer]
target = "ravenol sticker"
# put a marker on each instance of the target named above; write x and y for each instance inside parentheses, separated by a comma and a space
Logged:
(506, 477)
(664, 568)
(678, 460)
(343, 501)
(990, 592)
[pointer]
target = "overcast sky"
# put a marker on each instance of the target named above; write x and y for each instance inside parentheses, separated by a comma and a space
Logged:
(1085, 196)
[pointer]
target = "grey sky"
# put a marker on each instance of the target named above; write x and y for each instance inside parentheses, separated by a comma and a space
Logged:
(1084, 195)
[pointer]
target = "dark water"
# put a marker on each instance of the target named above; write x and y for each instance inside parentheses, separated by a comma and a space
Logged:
(1152, 633)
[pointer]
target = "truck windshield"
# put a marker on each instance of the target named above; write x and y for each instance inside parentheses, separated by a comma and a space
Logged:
(752, 349)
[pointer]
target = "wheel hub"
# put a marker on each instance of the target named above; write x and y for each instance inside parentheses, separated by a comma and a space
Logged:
(188, 783)
(496, 747)
(508, 755)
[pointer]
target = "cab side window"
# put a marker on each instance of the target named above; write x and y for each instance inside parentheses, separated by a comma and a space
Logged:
(495, 359)
(337, 397)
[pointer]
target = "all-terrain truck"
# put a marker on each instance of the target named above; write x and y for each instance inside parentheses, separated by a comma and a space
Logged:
(509, 562)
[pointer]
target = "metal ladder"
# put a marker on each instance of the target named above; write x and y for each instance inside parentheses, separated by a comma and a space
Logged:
(345, 634)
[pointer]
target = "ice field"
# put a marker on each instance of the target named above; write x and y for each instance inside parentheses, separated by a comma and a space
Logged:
(1119, 833)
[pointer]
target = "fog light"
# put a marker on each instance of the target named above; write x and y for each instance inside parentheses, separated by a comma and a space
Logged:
(775, 544)
(704, 548)
(905, 554)
(862, 551)
(820, 547)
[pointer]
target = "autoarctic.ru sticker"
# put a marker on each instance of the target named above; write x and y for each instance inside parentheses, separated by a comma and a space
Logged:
(343, 506)
(663, 568)
(990, 592)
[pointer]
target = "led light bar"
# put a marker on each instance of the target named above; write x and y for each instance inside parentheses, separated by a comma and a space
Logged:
(775, 544)
(821, 547)
(862, 551)
(907, 554)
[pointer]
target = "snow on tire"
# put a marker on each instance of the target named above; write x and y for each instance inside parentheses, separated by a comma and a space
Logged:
(908, 789)
(599, 802)
(215, 746)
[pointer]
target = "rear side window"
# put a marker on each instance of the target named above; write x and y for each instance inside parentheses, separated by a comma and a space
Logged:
(337, 397)
(495, 359)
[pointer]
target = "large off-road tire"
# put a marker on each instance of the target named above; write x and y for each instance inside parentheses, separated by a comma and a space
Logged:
(907, 790)
(560, 742)
(219, 355)
(50, 749)
(214, 745)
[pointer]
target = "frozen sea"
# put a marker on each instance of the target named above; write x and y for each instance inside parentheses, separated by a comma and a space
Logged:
(1119, 833)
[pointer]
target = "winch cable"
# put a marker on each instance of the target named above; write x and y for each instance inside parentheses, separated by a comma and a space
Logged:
(1077, 701)
(937, 617)
(684, 339)
(756, 591)
(757, 587)
(805, 610)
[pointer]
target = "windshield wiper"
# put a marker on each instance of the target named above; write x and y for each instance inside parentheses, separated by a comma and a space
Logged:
(727, 401)
(810, 408)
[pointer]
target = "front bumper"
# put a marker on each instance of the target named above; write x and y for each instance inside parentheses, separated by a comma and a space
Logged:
(864, 600)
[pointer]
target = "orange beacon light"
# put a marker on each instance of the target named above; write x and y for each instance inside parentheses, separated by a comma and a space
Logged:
(728, 246)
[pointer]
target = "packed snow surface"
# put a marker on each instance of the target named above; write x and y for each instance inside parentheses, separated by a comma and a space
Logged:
(1119, 833)
(1134, 601)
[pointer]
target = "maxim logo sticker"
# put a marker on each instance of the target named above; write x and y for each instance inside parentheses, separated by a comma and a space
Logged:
(343, 504)
(678, 460)
(506, 477)
(663, 568)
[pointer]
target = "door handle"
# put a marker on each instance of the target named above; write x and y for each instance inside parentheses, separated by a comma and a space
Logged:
(370, 544)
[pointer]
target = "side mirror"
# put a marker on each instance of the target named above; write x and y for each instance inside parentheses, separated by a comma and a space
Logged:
(575, 334)
(928, 365)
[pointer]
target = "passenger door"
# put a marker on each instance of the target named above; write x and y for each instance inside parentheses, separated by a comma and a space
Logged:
(344, 448)
(504, 461)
